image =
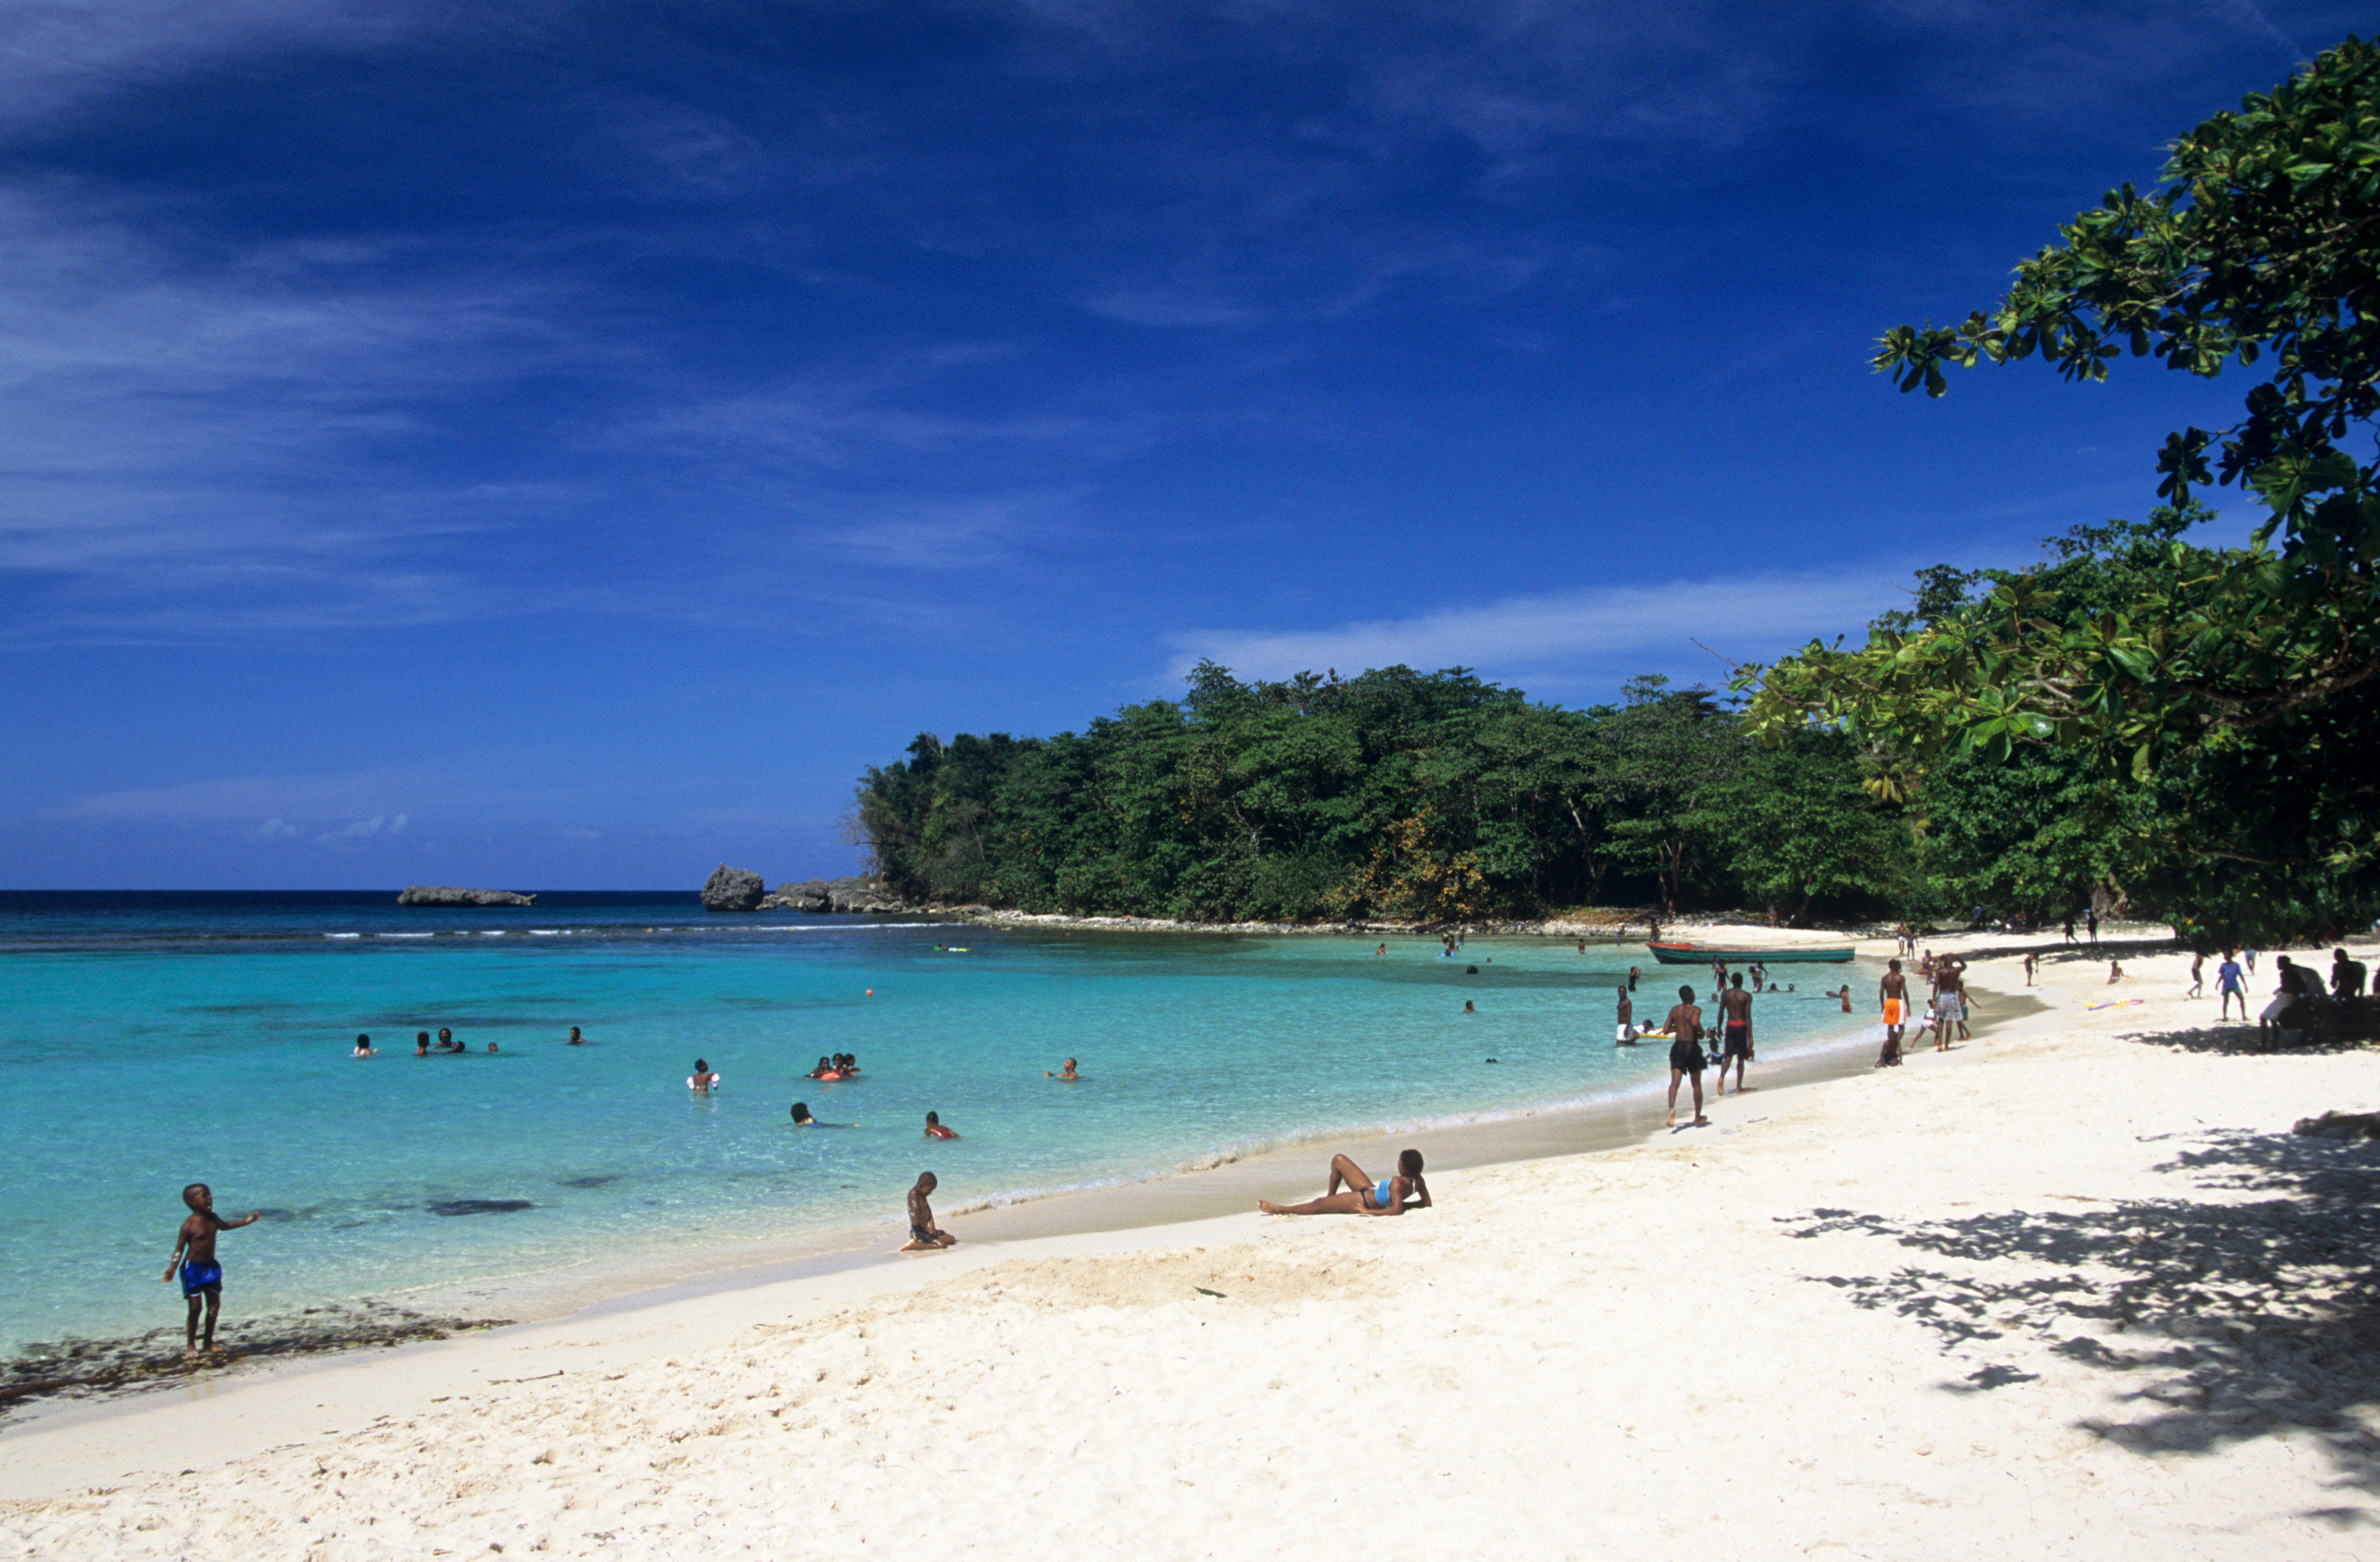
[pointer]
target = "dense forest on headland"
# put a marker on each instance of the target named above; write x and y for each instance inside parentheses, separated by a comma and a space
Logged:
(2193, 733)
(1440, 797)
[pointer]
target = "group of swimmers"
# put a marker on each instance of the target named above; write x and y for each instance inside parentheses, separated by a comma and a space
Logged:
(422, 1048)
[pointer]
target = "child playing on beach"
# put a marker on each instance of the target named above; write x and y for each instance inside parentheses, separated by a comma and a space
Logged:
(194, 1258)
(924, 1235)
(934, 1128)
(2230, 983)
(1389, 1195)
(1686, 1054)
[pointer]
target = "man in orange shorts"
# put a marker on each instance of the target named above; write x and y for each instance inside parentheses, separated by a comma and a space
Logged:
(1894, 992)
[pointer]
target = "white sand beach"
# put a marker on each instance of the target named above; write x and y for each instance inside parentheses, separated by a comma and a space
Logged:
(2062, 1291)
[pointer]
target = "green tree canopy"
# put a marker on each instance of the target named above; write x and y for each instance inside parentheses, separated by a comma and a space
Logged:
(2236, 683)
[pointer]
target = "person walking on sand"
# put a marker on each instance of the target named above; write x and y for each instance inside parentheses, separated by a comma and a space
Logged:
(1735, 1032)
(1950, 1002)
(194, 1260)
(1627, 1021)
(924, 1235)
(1892, 992)
(2230, 982)
(1686, 1060)
(2032, 961)
(2069, 926)
(1389, 1195)
(2197, 975)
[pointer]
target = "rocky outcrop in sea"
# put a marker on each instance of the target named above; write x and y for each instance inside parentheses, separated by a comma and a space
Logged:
(449, 895)
(732, 888)
(860, 894)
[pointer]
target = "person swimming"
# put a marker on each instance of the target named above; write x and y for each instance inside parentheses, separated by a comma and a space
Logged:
(934, 1128)
(702, 1081)
(363, 1047)
(576, 1039)
(421, 1044)
(1067, 1074)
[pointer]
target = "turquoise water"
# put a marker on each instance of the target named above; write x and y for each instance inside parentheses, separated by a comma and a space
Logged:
(152, 1041)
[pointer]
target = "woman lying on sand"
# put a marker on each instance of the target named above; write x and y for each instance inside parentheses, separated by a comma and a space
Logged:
(1363, 1196)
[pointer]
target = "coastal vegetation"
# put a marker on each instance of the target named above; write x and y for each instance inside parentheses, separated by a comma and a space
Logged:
(1433, 797)
(2210, 713)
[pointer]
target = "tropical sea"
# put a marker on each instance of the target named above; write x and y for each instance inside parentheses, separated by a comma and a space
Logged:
(156, 1040)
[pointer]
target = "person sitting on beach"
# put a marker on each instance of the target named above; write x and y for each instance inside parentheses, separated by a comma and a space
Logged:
(363, 1047)
(2345, 975)
(702, 1079)
(576, 1039)
(1735, 1032)
(2115, 972)
(422, 1039)
(194, 1259)
(1892, 991)
(1066, 1073)
(934, 1128)
(2292, 1007)
(1686, 1054)
(924, 1235)
(1627, 1021)
(1389, 1195)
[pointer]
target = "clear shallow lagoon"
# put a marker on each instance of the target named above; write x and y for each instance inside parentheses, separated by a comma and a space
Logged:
(154, 1040)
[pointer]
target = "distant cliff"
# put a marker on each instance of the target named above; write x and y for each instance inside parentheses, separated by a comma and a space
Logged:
(447, 895)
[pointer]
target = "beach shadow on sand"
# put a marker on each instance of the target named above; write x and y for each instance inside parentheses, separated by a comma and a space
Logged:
(2248, 1318)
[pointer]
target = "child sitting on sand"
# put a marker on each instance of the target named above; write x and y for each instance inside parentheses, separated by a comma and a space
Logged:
(1388, 1196)
(194, 1256)
(924, 1235)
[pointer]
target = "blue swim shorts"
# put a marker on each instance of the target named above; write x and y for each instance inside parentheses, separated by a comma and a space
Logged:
(198, 1278)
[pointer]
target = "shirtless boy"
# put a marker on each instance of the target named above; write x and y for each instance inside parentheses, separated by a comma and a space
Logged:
(1067, 1073)
(1685, 1026)
(924, 1235)
(194, 1258)
(1627, 1021)
(1893, 992)
(1735, 1032)
(1389, 1195)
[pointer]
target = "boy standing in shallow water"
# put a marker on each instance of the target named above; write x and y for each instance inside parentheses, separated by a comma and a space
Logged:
(194, 1256)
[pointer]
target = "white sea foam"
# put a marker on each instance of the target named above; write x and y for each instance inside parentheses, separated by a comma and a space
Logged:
(343, 935)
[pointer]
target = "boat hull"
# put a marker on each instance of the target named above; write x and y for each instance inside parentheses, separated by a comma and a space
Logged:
(1703, 954)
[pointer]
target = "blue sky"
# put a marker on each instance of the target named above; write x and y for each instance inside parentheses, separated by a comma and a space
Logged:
(559, 445)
